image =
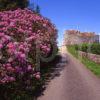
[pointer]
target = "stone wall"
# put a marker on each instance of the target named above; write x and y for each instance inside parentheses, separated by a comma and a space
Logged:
(93, 57)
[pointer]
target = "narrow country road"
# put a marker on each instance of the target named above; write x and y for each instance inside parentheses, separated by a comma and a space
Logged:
(76, 82)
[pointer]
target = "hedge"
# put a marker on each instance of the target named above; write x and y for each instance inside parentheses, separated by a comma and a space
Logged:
(91, 48)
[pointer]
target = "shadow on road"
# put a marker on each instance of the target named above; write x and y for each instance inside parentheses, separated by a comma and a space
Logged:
(50, 71)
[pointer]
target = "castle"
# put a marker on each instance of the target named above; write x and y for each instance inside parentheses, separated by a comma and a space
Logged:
(72, 37)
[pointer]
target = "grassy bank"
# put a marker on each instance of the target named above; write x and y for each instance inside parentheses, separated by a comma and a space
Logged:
(95, 68)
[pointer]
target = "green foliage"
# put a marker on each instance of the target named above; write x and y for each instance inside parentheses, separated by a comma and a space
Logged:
(72, 50)
(37, 9)
(95, 68)
(91, 48)
(84, 47)
(13, 4)
(95, 48)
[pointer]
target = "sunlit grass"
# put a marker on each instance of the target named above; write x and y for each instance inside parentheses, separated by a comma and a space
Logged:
(94, 67)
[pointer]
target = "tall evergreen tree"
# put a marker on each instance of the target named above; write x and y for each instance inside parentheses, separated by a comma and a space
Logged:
(37, 9)
(13, 4)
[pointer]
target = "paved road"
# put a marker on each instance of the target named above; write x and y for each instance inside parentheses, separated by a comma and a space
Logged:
(76, 82)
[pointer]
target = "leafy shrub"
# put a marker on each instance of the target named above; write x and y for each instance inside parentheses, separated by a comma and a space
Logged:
(19, 32)
(95, 48)
(91, 48)
(84, 47)
(13, 4)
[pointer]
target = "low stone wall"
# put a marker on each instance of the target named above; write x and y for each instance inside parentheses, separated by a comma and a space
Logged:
(93, 57)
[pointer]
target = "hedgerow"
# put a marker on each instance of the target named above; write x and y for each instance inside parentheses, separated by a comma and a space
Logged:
(90, 48)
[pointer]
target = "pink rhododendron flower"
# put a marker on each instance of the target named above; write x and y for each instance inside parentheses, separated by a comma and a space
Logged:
(29, 68)
(10, 46)
(10, 60)
(19, 31)
(12, 79)
(37, 76)
(1, 34)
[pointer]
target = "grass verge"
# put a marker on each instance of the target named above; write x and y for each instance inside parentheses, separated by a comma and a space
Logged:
(94, 67)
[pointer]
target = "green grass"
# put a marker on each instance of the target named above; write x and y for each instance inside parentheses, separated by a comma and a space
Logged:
(72, 50)
(94, 67)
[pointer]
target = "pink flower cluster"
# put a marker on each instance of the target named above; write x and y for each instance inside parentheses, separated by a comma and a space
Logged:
(19, 30)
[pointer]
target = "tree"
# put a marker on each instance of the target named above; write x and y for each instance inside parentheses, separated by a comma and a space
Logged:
(37, 9)
(13, 4)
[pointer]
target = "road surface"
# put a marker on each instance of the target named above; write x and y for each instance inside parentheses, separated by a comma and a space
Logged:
(76, 82)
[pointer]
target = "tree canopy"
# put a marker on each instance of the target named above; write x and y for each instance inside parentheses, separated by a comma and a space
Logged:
(13, 4)
(37, 9)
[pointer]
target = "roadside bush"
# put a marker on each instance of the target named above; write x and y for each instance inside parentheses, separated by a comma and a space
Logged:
(95, 48)
(19, 32)
(84, 47)
(91, 48)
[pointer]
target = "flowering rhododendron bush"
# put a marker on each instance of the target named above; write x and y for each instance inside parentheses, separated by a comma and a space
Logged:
(19, 31)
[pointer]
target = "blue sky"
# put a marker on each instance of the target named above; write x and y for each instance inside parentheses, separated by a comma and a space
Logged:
(83, 15)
